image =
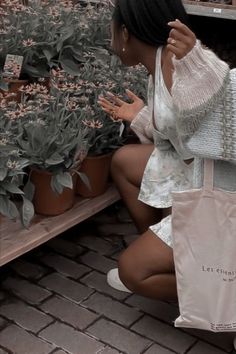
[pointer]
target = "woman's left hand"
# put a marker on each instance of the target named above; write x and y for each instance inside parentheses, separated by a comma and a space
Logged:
(181, 39)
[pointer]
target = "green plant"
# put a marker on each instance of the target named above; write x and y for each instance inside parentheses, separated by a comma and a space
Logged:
(100, 74)
(49, 132)
(12, 172)
(40, 32)
(49, 33)
(103, 133)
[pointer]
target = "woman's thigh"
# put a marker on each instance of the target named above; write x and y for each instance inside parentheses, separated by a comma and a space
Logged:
(131, 160)
(146, 256)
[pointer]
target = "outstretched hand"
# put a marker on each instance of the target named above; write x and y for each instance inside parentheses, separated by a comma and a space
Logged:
(119, 109)
(181, 39)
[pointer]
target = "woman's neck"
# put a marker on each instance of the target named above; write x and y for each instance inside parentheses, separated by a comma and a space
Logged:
(148, 59)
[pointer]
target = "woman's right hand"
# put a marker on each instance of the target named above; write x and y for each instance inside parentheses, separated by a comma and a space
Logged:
(119, 109)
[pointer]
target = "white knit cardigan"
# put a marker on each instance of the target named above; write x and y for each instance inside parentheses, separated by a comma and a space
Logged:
(204, 96)
(204, 93)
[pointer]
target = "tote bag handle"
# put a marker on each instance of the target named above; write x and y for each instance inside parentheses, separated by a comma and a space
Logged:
(208, 171)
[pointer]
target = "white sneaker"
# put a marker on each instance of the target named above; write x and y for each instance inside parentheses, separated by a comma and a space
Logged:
(114, 281)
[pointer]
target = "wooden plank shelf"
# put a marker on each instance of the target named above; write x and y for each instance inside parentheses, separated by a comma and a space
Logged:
(207, 9)
(15, 240)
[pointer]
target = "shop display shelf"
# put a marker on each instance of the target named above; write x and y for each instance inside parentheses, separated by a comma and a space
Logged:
(208, 9)
(15, 240)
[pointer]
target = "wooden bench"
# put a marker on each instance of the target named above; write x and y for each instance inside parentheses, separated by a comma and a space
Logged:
(15, 240)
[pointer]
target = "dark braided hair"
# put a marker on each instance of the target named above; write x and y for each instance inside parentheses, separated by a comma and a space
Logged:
(147, 19)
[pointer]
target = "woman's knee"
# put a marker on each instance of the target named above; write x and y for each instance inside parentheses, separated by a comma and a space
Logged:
(128, 273)
(121, 159)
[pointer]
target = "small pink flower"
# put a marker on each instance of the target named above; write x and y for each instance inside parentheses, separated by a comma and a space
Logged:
(2, 12)
(58, 73)
(28, 42)
(94, 124)
(3, 141)
(34, 89)
(72, 105)
(13, 115)
(13, 165)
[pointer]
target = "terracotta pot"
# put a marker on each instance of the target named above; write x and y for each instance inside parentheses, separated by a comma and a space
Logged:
(97, 169)
(1, 220)
(46, 201)
(13, 87)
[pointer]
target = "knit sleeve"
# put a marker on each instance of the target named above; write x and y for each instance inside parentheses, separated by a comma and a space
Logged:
(199, 81)
(142, 127)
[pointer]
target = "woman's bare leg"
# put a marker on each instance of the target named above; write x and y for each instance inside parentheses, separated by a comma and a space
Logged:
(146, 267)
(127, 169)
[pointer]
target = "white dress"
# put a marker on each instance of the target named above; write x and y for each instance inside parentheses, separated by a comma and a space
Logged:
(165, 170)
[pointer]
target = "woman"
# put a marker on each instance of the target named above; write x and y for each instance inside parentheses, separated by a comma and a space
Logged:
(146, 32)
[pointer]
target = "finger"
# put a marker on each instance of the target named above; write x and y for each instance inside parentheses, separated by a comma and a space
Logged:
(116, 99)
(177, 44)
(106, 104)
(113, 114)
(178, 52)
(181, 27)
(132, 95)
(171, 41)
(179, 36)
(104, 100)
(108, 111)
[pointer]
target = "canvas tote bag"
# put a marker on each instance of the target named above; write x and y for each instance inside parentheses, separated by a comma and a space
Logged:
(204, 236)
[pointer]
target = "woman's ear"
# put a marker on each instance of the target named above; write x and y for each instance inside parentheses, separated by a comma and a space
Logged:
(125, 34)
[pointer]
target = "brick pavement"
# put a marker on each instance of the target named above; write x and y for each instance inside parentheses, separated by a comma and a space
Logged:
(55, 300)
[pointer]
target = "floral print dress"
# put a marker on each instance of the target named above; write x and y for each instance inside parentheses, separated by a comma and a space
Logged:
(166, 170)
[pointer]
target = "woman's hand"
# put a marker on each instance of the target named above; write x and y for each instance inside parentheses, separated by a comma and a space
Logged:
(181, 39)
(119, 109)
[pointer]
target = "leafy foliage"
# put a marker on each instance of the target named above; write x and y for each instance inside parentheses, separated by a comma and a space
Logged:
(12, 165)
(49, 33)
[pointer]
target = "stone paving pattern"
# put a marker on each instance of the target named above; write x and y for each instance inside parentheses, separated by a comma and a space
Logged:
(55, 300)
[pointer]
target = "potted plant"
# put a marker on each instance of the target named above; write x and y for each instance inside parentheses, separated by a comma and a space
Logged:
(104, 135)
(12, 172)
(31, 31)
(49, 34)
(52, 138)
(98, 75)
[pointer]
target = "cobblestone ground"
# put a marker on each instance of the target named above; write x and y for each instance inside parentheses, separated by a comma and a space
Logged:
(55, 300)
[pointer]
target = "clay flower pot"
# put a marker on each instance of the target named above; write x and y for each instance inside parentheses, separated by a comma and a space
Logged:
(46, 201)
(13, 87)
(97, 169)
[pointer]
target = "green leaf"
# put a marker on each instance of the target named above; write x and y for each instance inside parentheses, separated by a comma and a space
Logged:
(54, 159)
(49, 53)
(39, 71)
(56, 186)
(13, 211)
(65, 179)
(10, 187)
(2, 191)
(64, 37)
(27, 212)
(4, 205)
(70, 66)
(8, 208)
(3, 173)
(29, 190)
(85, 180)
